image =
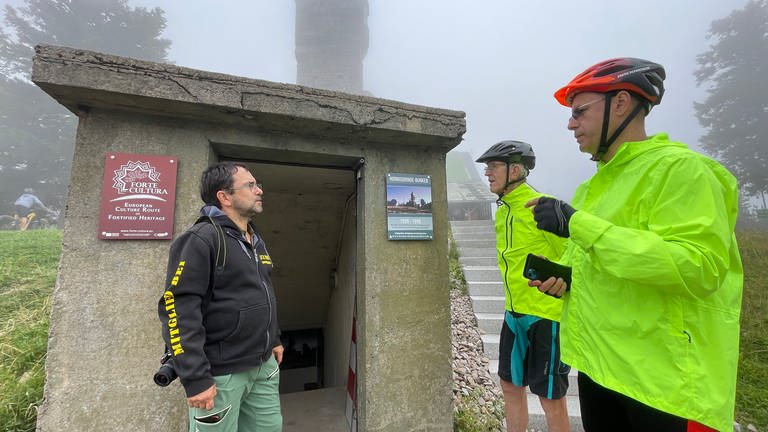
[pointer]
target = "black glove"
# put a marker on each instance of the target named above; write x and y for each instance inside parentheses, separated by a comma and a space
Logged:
(553, 215)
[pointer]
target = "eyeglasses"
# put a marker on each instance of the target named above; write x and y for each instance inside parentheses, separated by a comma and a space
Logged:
(579, 111)
(493, 166)
(250, 185)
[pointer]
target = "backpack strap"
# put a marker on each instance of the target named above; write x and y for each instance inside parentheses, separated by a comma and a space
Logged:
(221, 256)
(221, 250)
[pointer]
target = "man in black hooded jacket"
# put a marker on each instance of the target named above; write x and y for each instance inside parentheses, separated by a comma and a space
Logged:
(218, 310)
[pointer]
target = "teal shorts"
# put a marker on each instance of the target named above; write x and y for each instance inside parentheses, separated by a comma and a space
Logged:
(529, 355)
(245, 401)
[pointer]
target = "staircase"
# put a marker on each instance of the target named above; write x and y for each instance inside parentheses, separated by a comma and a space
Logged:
(476, 242)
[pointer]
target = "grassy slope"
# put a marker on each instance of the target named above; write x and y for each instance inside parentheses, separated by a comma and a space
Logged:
(28, 266)
(752, 387)
(28, 263)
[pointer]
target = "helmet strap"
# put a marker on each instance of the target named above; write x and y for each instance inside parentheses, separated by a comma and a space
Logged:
(511, 182)
(603, 147)
(606, 143)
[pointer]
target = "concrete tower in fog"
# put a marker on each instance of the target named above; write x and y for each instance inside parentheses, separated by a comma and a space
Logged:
(331, 43)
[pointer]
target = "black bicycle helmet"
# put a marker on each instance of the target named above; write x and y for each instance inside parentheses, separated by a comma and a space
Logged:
(510, 151)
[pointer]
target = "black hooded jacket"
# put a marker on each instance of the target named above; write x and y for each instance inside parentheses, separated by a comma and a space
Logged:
(218, 310)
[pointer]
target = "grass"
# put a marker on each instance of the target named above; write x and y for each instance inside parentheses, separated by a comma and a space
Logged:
(473, 416)
(28, 266)
(456, 274)
(752, 385)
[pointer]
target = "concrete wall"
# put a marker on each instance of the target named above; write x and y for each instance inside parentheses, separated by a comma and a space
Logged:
(338, 322)
(104, 334)
(405, 312)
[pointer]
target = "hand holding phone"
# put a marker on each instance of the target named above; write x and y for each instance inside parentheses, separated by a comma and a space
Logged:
(538, 268)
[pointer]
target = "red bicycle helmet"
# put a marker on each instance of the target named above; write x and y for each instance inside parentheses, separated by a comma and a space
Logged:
(642, 77)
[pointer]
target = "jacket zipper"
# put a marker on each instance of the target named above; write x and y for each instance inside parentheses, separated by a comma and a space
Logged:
(242, 241)
(507, 234)
(266, 286)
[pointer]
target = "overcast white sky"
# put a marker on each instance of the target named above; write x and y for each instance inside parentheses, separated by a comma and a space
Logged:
(499, 61)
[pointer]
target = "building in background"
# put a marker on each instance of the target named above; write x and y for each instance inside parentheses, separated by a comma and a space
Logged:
(468, 195)
(331, 43)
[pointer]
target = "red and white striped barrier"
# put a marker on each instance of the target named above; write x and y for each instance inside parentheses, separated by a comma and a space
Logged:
(351, 408)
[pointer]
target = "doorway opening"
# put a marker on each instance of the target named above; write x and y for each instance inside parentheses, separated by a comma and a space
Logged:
(309, 226)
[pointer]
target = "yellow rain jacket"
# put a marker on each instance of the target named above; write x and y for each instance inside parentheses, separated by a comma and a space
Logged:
(516, 236)
(653, 312)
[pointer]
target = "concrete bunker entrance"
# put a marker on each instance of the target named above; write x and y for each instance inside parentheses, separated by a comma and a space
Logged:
(309, 225)
(324, 224)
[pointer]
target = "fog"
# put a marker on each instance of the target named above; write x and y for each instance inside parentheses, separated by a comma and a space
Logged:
(498, 61)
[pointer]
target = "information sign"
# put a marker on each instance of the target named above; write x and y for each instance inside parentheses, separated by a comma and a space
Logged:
(138, 197)
(409, 207)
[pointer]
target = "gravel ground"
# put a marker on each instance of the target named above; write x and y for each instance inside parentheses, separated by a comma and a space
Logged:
(473, 387)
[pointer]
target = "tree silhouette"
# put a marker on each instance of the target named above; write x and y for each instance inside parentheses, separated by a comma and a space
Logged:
(735, 113)
(36, 133)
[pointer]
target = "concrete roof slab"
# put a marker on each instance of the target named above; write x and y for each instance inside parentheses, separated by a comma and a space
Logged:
(80, 79)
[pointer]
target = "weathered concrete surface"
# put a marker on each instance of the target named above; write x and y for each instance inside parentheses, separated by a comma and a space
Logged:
(104, 335)
(79, 77)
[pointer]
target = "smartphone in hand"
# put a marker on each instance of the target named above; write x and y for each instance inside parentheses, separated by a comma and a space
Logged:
(538, 268)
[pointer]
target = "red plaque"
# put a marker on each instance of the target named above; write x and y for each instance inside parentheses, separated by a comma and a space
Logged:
(138, 197)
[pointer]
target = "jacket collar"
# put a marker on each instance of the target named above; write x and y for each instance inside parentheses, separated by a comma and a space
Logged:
(211, 213)
(520, 193)
(632, 149)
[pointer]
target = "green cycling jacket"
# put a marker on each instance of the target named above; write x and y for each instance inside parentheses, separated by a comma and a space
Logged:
(516, 236)
(653, 312)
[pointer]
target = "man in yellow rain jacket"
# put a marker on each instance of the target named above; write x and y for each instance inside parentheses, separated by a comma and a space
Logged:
(529, 344)
(652, 320)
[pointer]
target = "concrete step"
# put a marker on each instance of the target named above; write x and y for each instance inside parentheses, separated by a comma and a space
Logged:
(486, 288)
(489, 323)
(477, 251)
(471, 224)
(493, 368)
(478, 261)
(479, 243)
(486, 229)
(490, 345)
(487, 304)
(461, 237)
(481, 273)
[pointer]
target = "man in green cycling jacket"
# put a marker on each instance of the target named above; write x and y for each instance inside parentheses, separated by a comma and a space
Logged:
(529, 343)
(652, 319)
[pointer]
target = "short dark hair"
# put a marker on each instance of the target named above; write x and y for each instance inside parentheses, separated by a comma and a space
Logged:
(215, 178)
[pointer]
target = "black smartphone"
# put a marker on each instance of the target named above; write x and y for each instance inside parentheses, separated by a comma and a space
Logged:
(537, 268)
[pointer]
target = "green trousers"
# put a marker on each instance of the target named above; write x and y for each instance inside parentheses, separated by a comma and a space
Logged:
(245, 402)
